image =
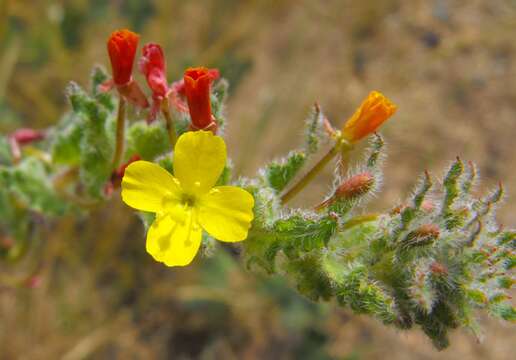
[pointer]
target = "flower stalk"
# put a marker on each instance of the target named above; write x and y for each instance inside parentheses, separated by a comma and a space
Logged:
(169, 122)
(341, 147)
(120, 133)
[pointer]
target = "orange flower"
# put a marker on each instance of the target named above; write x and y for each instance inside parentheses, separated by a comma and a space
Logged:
(197, 89)
(372, 113)
(122, 46)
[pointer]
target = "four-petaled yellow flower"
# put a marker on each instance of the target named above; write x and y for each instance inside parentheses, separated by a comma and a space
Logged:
(189, 201)
(372, 113)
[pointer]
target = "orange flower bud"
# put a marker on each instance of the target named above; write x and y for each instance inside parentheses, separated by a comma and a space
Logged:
(373, 111)
(122, 46)
(197, 82)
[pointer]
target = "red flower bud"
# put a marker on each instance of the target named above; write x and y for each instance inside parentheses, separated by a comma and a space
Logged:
(27, 136)
(152, 65)
(122, 46)
(197, 89)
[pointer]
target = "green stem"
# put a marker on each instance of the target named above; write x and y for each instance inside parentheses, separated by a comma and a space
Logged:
(169, 123)
(310, 175)
(120, 133)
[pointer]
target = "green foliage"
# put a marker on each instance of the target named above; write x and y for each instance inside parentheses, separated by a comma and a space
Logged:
(280, 173)
(97, 140)
(67, 135)
(314, 131)
(30, 184)
(5, 151)
(148, 141)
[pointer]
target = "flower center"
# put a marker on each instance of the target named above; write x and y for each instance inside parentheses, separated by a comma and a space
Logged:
(188, 200)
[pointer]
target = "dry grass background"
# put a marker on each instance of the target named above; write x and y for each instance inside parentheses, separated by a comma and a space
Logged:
(450, 65)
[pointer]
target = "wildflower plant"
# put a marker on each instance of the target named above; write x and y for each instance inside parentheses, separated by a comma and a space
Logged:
(431, 261)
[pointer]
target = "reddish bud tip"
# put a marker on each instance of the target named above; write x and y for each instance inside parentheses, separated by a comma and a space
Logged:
(33, 282)
(118, 174)
(197, 82)
(6, 242)
(121, 169)
(355, 186)
(423, 235)
(122, 46)
(27, 136)
(427, 206)
(438, 269)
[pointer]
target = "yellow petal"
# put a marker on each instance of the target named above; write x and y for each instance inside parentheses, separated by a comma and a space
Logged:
(226, 213)
(146, 185)
(174, 239)
(199, 159)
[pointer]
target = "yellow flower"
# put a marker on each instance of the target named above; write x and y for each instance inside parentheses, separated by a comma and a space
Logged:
(373, 111)
(188, 202)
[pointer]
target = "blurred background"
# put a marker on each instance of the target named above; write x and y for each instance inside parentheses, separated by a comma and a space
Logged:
(449, 65)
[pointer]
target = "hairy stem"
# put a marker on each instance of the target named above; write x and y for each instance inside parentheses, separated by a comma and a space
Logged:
(169, 123)
(120, 133)
(314, 171)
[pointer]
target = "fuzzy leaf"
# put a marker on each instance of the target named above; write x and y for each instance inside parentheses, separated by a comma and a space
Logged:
(300, 234)
(29, 181)
(280, 173)
(148, 141)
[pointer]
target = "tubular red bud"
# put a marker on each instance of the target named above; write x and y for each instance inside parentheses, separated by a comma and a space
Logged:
(122, 46)
(197, 90)
(152, 65)
(27, 136)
